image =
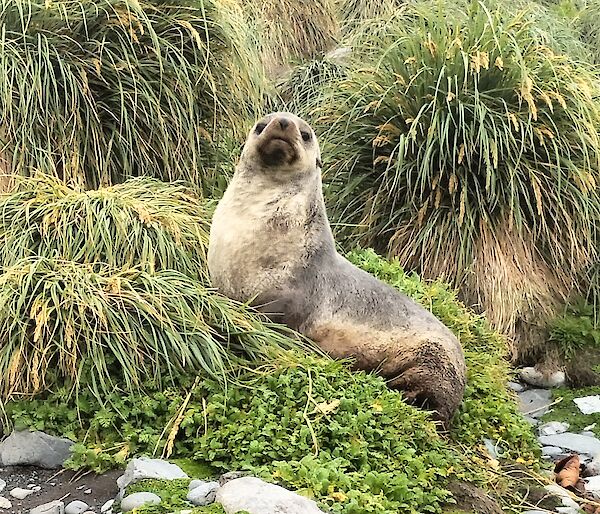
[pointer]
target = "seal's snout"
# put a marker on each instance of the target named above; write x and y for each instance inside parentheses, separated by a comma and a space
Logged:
(284, 123)
(277, 144)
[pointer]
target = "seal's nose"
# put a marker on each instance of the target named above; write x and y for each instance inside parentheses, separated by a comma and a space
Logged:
(284, 123)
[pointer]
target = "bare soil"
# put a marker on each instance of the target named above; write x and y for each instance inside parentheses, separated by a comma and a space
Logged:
(65, 485)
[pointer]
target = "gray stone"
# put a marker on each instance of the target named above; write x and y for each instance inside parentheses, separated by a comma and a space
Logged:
(137, 500)
(107, 506)
(574, 442)
(592, 485)
(516, 387)
(55, 507)
(588, 404)
(534, 402)
(563, 494)
(552, 451)
(76, 507)
(593, 467)
(553, 428)
(143, 468)
(5, 503)
(491, 448)
(20, 493)
(536, 378)
(2, 485)
(203, 494)
(258, 497)
(531, 421)
(34, 449)
(588, 433)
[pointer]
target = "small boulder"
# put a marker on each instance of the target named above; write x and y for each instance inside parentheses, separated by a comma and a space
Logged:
(137, 500)
(552, 451)
(258, 497)
(516, 387)
(5, 503)
(76, 507)
(2, 485)
(55, 507)
(203, 494)
(536, 378)
(145, 468)
(107, 506)
(24, 448)
(588, 404)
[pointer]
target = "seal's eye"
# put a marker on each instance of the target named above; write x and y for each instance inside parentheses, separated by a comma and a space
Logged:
(305, 135)
(260, 127)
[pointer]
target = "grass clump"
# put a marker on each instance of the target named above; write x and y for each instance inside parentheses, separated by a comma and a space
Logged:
(81, 323)
(309, 423)
(95, 92)
(464, 147)
(291, 31)
(143, 222)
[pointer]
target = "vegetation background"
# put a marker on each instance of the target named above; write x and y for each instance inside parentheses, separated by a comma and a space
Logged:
(460, 141)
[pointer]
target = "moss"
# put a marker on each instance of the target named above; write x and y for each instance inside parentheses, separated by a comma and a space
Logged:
(196, 468)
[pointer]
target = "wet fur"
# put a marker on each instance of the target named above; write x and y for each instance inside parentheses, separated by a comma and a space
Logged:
(271, 241)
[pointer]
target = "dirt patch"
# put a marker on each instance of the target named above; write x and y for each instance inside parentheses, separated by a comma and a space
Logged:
(472, 499)
(65, 485)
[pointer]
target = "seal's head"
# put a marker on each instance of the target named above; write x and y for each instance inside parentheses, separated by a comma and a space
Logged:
(280, 143)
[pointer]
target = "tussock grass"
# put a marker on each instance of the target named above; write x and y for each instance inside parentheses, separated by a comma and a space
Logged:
(95, 92)
(292, 31)
(301, 89)
(465, 147)
(143, 222)
(64, 322)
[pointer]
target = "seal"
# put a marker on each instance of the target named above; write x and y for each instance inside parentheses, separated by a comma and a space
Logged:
(271, 245)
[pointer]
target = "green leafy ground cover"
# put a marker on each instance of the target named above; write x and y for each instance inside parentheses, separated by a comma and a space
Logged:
(565, 409)
(309, 423)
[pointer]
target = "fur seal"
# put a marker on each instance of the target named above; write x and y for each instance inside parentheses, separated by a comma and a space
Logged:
(271, 244)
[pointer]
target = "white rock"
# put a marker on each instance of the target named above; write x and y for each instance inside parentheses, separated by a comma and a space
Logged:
(76, 507)
(588, 404)
(5, 503)
(87, 491)
(568, 510)
(556, 490)
(575, 442)
(258, 497)
(553, 427)
(534, 377)
(203, 494)
(107, 506)
(20, 493)
(588, 433)
(55, 507)
(2, 485)
(143, 468)
(592, 485)
(137, 500)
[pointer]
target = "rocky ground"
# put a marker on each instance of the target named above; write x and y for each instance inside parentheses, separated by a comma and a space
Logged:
(32, 480)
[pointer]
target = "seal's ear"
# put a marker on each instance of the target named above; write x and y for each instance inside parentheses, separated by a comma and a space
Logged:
(319, 163)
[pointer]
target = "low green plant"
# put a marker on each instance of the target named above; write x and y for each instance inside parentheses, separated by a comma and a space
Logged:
(310, 423)
(575, 330)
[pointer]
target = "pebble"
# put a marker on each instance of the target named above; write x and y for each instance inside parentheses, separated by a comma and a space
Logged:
(5, 503)
(516, 387)
(19, 493)
(574, 442)
(76, 507)
(553, 428)
(203, 494)
(87, 491)
(534, 402)
(2, 485)
(107, 506)
(55, 507)
(137, 500)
